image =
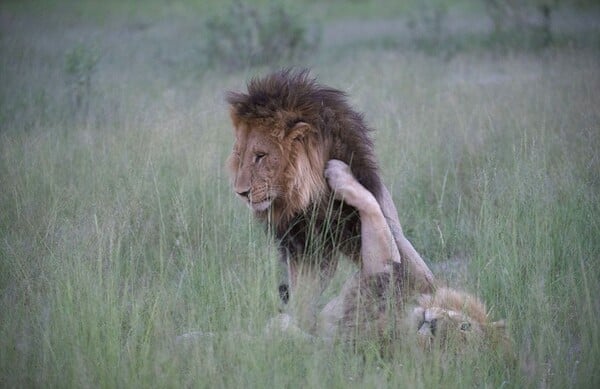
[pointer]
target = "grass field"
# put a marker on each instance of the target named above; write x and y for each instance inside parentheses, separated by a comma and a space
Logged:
(119, 230)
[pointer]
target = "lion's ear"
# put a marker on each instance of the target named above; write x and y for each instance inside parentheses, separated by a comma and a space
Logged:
(299, 131)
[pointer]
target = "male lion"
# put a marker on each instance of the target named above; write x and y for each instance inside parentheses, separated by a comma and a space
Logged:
(287, 126)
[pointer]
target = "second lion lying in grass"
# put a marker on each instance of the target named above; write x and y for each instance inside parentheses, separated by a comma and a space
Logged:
(375, 305)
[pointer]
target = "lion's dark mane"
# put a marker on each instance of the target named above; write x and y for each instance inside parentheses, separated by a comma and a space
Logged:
(288, 97)
(326, 109)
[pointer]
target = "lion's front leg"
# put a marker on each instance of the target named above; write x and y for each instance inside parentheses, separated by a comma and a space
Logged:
(378, 248)
(303, 282)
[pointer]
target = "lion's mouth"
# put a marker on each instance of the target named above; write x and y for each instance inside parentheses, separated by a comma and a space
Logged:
(260, 206)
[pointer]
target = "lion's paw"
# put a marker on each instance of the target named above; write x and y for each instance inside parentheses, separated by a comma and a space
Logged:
(339, 177)
(284, 324)
(342, 182)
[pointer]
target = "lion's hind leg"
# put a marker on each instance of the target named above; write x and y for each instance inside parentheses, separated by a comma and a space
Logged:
(378, 248)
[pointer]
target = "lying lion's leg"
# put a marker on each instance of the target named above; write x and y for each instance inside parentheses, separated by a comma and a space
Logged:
(420, 276)
(378, 248)
(332, 314)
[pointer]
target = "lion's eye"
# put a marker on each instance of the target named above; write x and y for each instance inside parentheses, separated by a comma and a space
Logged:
(466, 326)
(258, 157)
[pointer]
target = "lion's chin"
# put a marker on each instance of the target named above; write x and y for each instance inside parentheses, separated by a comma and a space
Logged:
(260, 206)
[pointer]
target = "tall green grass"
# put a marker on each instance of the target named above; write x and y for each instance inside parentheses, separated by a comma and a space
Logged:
(119, 231)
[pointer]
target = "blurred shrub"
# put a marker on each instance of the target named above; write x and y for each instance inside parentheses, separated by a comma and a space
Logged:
(522, 23)
(428, 30)
(80, 65)
(250, 36)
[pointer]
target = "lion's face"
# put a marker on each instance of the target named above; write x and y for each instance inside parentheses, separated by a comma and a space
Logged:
(442, 325)
(275, 168)
(453, 317)
(256, 165)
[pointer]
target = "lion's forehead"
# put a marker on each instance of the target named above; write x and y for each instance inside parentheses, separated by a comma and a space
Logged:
(265, 127)
(251, 138)
(447, 314)
(434, 313)
(250, 142)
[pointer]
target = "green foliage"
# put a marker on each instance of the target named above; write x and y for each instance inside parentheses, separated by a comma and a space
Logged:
(427, 26)
(527, 24)
(80, 66)
(249, 36)
(437, 28)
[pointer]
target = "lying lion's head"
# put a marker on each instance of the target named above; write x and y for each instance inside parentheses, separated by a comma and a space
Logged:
(453, 317)
(287, 127)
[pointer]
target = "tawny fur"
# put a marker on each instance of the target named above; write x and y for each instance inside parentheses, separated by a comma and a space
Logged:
(377, 310)
(454, 300)
(371, 305)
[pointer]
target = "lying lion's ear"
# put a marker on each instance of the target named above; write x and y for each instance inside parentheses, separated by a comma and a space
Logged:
(299, 131)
